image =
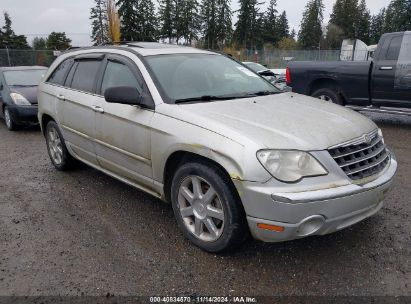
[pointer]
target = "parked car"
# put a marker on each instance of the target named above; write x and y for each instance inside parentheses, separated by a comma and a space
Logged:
(382, 84)
(229, 151)
(18, 94)
(262, 70)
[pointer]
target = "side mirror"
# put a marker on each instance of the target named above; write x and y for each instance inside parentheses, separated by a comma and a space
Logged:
(123, 95)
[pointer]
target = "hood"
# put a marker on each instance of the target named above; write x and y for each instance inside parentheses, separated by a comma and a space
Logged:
(30, 93)
(282, 121)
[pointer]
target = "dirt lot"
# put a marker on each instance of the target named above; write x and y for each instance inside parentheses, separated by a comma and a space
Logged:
(84, 233)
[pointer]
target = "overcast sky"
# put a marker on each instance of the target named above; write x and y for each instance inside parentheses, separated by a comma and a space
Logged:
(40, 17)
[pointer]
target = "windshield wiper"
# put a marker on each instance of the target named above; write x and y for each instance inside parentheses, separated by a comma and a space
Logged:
(263, 93)
(204, 98)
(23, 85)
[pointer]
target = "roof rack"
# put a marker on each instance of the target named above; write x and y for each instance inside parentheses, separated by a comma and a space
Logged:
(142, 44)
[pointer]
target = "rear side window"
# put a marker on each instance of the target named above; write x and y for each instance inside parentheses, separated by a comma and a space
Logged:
(85, 75)
(118, 74)
(394, 48)
(59, 74)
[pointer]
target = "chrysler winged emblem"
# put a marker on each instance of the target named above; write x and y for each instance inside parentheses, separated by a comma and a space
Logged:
(367, 138)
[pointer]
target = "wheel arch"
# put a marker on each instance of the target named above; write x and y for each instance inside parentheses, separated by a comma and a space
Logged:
(180, 157)
(328, 83)
(45, 119)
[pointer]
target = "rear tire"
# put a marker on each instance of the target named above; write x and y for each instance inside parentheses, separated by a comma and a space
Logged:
(10, 124)
(56, 147)
(328, 94)
(212, 217)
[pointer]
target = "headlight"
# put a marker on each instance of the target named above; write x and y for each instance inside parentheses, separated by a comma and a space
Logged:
(290, 166)
(19, 99)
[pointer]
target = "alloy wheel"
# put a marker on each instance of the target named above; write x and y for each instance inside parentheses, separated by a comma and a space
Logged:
(7, 118)
(201, 208)
(55, 146)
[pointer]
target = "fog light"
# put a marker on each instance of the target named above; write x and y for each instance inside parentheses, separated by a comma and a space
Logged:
(310, 225)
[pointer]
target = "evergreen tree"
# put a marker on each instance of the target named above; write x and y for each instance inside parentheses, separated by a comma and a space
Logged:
(249, 24)
(166, 19)
(9, 39)
(138, 20)
(58, 41)
(363, 22)
(283, 27)
(345, 16)
(39, 43)
(377, 26)
(189, 20)
(270, 32)
(293, 34)
(398, 16)
(98, 15)
(311, 31)
(209, 23)
(128, 16)
(224, 29)
(147, 21)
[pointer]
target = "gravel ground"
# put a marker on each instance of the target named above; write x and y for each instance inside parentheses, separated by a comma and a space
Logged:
(84, 233)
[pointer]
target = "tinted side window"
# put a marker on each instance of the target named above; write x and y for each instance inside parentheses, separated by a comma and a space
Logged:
(85, 75)
(59, 74)
(394, 48)
(118, 74)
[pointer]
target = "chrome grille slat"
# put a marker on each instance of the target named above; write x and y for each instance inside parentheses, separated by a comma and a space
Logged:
(386, 155)
(361, 159)
(375, 142)
(374, 154)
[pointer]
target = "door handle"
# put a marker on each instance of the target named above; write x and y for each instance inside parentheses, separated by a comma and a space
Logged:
(97, 109)
(386, 68)
(61, 97)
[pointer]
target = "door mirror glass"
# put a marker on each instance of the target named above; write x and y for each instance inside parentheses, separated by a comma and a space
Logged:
(123, 95)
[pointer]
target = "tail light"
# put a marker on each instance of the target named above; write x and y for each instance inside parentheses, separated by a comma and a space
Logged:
(288, 76)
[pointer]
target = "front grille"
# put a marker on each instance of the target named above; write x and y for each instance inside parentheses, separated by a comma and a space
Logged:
(360, 159)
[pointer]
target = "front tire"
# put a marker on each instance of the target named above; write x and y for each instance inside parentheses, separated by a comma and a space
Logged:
(56, 147)
(10, 124)
(328, 94)
(206, 207)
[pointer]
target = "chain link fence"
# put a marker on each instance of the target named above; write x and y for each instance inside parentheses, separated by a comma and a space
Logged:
(25, 57)
(275, 58)
(272, 58)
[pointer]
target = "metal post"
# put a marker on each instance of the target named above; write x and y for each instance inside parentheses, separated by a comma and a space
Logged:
(8, 55)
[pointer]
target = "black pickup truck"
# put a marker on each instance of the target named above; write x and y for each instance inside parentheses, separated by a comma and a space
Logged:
(382, 84)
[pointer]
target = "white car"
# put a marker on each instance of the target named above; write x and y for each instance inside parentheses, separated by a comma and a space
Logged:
(231, 153)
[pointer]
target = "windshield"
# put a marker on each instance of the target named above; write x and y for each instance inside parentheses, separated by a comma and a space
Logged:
(204, 77)
(256, 67)
(24, 77)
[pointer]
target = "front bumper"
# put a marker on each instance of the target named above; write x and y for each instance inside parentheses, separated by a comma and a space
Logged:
(24, 114)
(307, 213)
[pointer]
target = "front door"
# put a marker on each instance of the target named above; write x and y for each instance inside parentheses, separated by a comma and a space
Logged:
(123, 137)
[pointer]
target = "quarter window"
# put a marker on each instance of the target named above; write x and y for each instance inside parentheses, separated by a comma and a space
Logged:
(59, 74)
(118, 74)
(85, 75)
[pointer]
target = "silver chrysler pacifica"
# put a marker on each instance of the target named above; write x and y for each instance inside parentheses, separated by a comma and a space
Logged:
(231, 153)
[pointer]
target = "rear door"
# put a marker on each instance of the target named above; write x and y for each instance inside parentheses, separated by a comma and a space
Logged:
(123, 134)
(384, 91)
(79, 110)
